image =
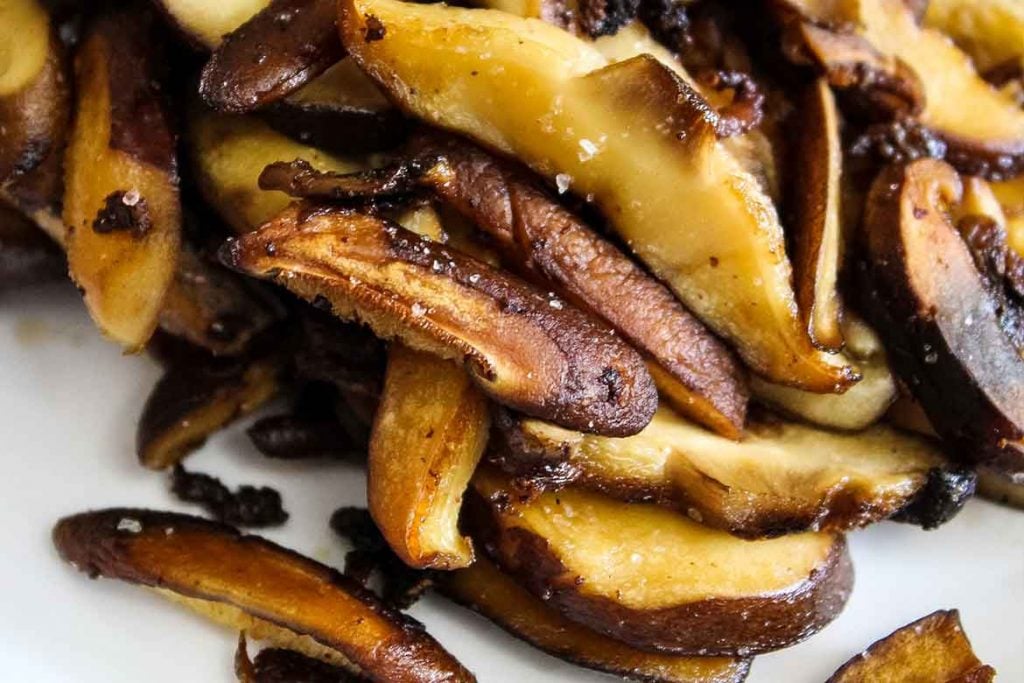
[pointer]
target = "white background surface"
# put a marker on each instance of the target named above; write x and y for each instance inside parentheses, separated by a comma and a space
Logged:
(69, 402)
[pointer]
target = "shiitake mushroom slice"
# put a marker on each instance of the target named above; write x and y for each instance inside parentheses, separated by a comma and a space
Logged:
(720, 249)
(483, 588)
(939, 317)
(933, 648)
(657, 580)
(121, 201)
(523, 348)
(281, 48)
(783, 477)
(253, 585)
(204, 23)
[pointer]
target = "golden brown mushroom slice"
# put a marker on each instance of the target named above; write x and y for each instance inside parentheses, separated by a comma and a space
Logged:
(121, 201)
(342, 111)
(483, 588)
(1000, 488)
(817, 236)
(1010, 194)
(985, 138)
(657, 580)
(939, 318)
(196, 397)
(428, 435)
(34, 89)
(676, 197)
(782, 477)
(281, 48)
(230, 152)
(206, 23)
(253, 585)
(933, 648)
(991, 32)
(527, 350)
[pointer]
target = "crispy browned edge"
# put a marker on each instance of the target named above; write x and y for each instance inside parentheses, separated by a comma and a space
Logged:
(544, 626)
(718, 626)
(893, 650)
(97, 544)
(979, 408)
(280, 49)
(606, 388)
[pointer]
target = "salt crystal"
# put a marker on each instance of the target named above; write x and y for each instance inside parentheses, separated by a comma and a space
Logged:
(589, 149)
(418, 309)
(562, 181)
(132, 526)
(130, 198)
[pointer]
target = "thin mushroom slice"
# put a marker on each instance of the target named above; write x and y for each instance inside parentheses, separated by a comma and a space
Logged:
(256, 586)
(205, 23)
(281, 48)
(657, 580)
(991, 32)
(527, 350)
(483, 588)
(551, 100)
(939, 318)
(933, 648)
(783, 477)
(121, 201)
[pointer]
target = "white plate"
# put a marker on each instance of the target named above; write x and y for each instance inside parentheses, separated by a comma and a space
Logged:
(69, 403)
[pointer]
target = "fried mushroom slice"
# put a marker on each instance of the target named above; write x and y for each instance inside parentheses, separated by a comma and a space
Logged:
(939, 319)
(229, 152)
(483, 588)
(782, 477)
(206, 23)
(985, 139)
(1000, 488)
(428, 436)
(258, 587)
(27, 256)
(991, 32)
(656, 580)
(817, 235)
(933, 648)
(550, 245)
(281, 48)
(278, 665)
(121, 202)
(342, 111)
(524, 349)
(196, 397)
(602, 132)
(34, 89)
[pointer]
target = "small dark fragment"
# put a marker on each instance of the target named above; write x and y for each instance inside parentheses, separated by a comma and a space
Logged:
(374, 30)
(299, 179)
(605, 17)
(401, 585)
(123, 211)
(669, 22)
(311, 430)
(248, 506)
(277, 665)
(940, 499)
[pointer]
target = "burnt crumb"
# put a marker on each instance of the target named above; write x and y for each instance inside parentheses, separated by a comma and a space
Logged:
(374, 30)
(940, 499)
(400, 585)
(612, 379)
(123, 211)
(605, 17)
(248, 506)
(668, 21)
(277, 665)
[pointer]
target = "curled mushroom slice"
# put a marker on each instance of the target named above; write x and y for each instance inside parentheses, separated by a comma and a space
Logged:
(924, 295)
(34, 90)
(547, 243)
(483, 588)
(281, 48)
(657, 580)
(933, 648)
(229, 152)
(253, 585)
(782, 477)
(986, 138)
(677, 198)
(527, 350)
(121, 201)
(205, 24)
(196, 397)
